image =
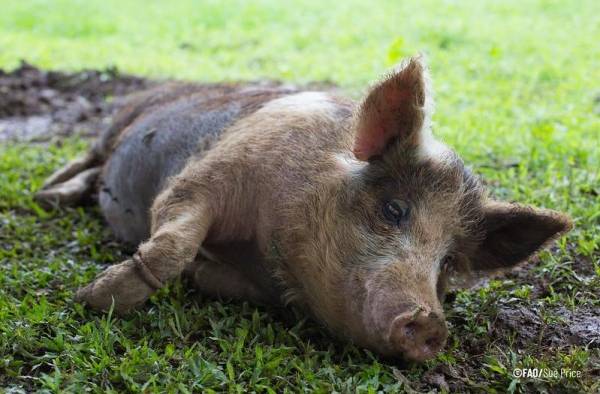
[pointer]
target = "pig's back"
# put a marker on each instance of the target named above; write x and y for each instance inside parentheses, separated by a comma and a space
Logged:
(158, 144)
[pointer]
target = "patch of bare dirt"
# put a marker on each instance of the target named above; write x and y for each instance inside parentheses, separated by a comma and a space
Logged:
(582, 326)
(37, 105)
(561, 327)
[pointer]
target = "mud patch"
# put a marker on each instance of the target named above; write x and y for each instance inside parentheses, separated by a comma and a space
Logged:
(36, 105)
(541, 324)
(561, 327)
(582, 327)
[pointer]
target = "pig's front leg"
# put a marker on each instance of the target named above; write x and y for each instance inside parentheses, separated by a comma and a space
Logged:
(180, 221)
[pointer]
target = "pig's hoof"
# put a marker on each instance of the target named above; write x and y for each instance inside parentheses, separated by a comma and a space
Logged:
(121, 283)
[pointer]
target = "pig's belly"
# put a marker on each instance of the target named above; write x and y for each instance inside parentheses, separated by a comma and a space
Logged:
(154, 148)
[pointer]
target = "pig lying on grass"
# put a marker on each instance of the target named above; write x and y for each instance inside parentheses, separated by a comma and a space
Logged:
(355, 212)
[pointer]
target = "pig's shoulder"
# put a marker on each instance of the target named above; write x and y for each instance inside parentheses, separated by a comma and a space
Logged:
(309, 104)
(305, 120)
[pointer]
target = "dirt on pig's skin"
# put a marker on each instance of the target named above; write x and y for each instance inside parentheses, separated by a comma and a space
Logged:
(516, 314)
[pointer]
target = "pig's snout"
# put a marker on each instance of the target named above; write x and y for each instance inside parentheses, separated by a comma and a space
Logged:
(418, 334)
(405, 322)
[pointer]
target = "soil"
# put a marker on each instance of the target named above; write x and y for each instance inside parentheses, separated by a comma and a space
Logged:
(38, 105)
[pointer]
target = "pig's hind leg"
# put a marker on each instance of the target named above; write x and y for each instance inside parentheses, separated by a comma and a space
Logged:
(71, 169)
(72, 183)
(70, 192)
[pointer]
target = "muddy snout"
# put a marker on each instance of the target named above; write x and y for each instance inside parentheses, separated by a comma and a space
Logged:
(397, 327)
(418, 334)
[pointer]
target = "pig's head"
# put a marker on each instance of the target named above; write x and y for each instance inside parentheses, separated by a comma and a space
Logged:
(380, 242)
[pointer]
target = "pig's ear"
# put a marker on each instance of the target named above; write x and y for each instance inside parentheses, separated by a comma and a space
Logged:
(513, 232)
(397, 108)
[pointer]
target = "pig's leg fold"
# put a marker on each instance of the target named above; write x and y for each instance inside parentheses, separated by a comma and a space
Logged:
(180, 226)
(221, 280)
(69, 192)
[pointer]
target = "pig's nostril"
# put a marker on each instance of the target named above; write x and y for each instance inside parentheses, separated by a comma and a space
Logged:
(409, 329)
(433, 343)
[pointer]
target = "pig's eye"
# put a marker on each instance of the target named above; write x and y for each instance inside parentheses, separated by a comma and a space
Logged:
(396, 211)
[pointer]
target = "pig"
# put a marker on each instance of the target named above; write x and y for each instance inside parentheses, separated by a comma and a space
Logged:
(353, 211)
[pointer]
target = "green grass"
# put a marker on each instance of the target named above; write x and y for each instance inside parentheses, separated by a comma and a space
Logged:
(516, 85)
